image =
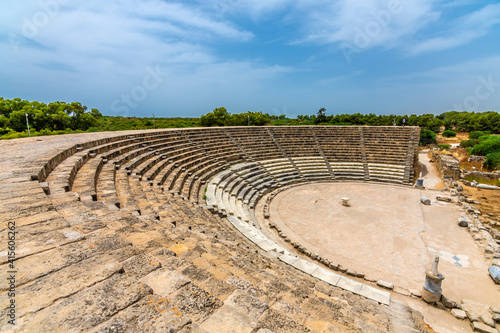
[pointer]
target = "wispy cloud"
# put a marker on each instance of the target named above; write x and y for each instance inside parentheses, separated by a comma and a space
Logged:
(367, 22)
(462, 31)
(241, 52)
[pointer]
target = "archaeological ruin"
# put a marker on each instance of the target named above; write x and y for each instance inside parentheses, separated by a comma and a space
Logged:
(237, 229)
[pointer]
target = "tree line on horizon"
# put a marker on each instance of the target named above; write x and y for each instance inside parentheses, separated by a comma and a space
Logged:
(459, 121)
(45, 119)
(61, 117)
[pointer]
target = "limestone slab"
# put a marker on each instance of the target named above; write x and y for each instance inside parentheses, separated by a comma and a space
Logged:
(150, 315)
(460, 314)
(350, 285)
(99, 303)
(38, 265)
(33, 219)
(326, 276)
(289, 259)
(27, 231)
(165, 282)
(140, 265)
(385, 284)
(249, 305)
(267, 245)
(62, 283)
(43, 242)
(229, 319)
(483, 328)
(375, 294)
(305, 266)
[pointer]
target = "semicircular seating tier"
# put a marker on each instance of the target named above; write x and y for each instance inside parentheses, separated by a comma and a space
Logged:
(147, 200)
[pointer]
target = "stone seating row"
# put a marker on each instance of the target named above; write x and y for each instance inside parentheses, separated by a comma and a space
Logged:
(258, 145)
(239, 207)
(219, 200)
(138, 269)
(125, 155)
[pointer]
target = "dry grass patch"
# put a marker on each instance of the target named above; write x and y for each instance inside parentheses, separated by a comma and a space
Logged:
(441, 140)
(489, 199)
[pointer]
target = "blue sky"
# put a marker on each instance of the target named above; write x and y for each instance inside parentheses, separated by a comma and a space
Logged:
(139, 57)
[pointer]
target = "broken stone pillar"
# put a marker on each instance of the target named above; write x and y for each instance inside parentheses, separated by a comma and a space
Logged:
(431, 292)
(420, 182)
(425, 201)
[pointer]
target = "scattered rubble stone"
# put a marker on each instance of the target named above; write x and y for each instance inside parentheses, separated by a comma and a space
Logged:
(482, 328)
(495, 273)
(460, 314)
(385, 284)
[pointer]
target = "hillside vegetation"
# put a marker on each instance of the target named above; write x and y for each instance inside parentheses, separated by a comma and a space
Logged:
(62, 117)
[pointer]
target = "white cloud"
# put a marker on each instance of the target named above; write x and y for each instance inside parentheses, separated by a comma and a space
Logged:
(365, 23)
(95, 51)
(256, 9)
(464, 30)
(120, 38)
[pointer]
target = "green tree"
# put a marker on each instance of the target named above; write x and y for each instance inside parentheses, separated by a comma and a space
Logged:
(321, 117)
(4, 121)
(427, 137)
(218, 117)
(60, 120)
(258, 118)
(95, 113)
(17, 121)
(487, 145)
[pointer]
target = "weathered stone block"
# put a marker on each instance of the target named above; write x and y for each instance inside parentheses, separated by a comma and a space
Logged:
(385, 284)
(460, 314)
(495, 273)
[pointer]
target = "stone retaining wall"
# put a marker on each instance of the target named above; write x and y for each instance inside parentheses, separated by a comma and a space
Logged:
(481, 175)
(447, 165)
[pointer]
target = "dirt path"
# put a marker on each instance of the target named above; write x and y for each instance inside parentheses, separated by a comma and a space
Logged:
(430, 174)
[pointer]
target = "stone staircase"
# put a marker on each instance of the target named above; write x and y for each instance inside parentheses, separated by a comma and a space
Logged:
(111, 238)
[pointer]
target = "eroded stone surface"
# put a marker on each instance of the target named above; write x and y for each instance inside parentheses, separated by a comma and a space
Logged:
(98, 303)
(89, 266)
(62, 283)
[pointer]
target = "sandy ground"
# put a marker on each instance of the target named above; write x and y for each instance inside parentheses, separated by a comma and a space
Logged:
(431, 177)
(386, 234)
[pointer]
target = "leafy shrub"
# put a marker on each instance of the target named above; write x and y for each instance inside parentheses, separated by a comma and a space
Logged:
(488, 146)
(427, 137)
(14, 135)
(6, 130)
(492, 161)
(476, 134)
(443, 147)
(483, 138)
(468, 143)
(449, 134)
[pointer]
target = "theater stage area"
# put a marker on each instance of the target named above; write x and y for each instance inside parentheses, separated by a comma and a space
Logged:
(387, 234)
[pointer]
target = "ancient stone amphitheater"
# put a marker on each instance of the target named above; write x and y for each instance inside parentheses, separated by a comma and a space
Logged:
(154, 231)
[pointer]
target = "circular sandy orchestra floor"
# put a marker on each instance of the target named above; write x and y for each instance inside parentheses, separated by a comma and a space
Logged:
(386, 234)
